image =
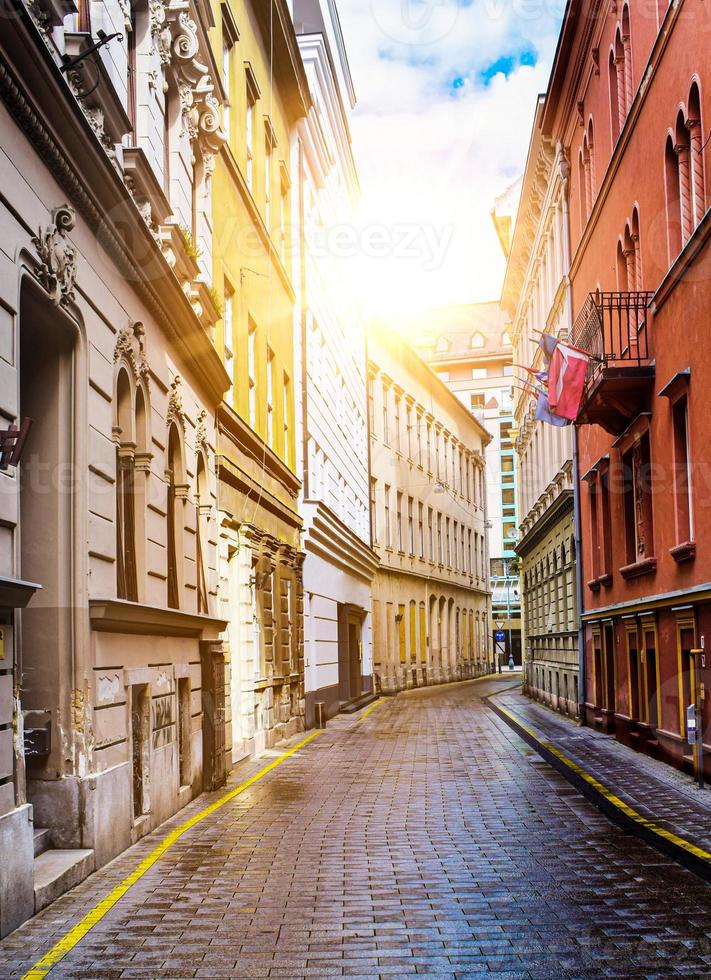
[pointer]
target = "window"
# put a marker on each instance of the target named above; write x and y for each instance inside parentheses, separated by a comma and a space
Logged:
(386, 417)
(373, 509)
(478, 374)
(126, 575)
(448, 541)
(508, 370)
(418, 424)
(477, 402)
(507, 464)
(268, 179)
(228, 337)
(439, 539)
(252, 373)
(174, 518)
(420, 531)
(371, 405)
(455, 542)
(388, 531)
(283, 212)
(430, 535)
(506, 339)
(443, 375)
(470, 566)
(227, 46)
(410, 528)
(477, 340)
(398, 441)
(442, 345)
(408, 423)
(270, 397)
(429, 448)
(286, 415)
(638, 502)
(252, 96)
(682, 472)
(398, 519)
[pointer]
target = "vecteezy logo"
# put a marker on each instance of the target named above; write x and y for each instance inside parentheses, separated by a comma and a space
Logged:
(415, 21)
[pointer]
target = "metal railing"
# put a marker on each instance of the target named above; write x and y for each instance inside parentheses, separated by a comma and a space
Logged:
(612, 327)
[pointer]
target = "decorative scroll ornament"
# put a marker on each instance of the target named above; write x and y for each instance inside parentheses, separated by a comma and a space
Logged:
(58, 263)
(175, 411)
(130, 343)
(201, 431)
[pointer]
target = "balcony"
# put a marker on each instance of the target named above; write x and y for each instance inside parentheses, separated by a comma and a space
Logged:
(612, 327)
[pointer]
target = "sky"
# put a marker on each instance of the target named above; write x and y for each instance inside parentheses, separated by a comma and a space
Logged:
(446, 92)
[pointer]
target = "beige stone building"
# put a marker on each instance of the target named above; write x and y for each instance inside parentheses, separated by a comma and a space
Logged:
(111, 671)
(428, 513)
(536, 297)
(255, 184)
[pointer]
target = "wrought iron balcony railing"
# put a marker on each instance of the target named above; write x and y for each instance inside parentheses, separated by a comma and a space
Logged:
(612, 327)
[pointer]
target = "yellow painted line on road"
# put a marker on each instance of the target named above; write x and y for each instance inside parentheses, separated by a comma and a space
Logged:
(370, 708)
(604, 791)
(70, 939)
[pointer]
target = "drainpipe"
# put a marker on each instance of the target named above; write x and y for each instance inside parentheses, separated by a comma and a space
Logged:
(565, 179)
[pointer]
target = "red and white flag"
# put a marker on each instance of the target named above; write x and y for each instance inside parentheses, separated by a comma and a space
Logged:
(566, 380)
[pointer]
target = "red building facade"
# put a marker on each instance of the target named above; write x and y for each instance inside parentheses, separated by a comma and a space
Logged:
(629, 101)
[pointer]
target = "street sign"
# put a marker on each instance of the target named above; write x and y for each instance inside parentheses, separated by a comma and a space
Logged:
(499, 635)
(499, 623)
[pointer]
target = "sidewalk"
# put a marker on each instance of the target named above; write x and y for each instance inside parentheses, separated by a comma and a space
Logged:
(644, 796)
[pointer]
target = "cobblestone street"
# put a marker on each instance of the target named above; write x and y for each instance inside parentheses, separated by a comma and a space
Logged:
(425, 839)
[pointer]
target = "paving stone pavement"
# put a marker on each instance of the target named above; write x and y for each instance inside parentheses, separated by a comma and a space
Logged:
(663, 794)
(427, 840)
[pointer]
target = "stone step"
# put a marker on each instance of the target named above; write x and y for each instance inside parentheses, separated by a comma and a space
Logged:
(42, 840)
(350, 707)
(58, 870)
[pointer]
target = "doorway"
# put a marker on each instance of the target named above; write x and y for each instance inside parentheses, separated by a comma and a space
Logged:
(350, 652)
(47, 494)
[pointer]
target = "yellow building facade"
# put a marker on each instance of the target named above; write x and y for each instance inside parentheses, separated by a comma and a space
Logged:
(265, 93)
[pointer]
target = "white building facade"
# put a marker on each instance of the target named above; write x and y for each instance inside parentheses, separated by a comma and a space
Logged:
(330, 368)
(536, 294)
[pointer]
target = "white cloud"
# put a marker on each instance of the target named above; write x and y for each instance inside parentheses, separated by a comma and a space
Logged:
(432, 156)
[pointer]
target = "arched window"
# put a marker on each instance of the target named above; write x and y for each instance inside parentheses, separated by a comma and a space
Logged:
(124, 432)
(671, 174)
(626, 39)
(614, 99)
(202, 523)
(694, 126)
(174, 542)
(477, 340)
(442, 345)
(682, 149)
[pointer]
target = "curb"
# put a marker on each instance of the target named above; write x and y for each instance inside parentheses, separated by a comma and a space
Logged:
(690, 855)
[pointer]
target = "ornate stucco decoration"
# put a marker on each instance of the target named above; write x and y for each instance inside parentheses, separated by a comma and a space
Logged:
(130, 343)
(201, 431)
(175, 411)
(58, 264)
(176, 39)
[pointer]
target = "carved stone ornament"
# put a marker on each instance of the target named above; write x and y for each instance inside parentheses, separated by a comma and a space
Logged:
(175, 411)
(175, 37)
(130, 343)
(201, 431)
(58, 263)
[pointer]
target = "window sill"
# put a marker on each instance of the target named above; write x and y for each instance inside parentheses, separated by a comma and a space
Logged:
(605, 579)
(683, 552)
(638, 568)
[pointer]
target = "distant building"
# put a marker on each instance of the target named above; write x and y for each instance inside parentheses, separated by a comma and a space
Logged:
(469, 348)
(428, 514)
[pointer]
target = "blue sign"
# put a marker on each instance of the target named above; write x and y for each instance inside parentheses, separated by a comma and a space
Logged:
(499, 635)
